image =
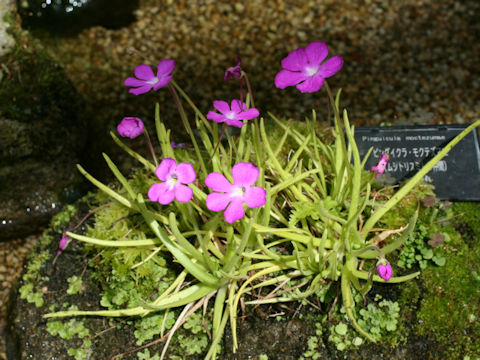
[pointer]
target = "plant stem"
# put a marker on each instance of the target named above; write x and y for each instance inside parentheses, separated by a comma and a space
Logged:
(218, 142)
(183, 116)
(150, 146)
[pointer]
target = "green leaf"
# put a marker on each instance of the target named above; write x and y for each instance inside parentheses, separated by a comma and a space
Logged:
(438, 260)
(341, 329)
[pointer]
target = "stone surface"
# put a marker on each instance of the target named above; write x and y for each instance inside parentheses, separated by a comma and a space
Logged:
(43, 136)
(61, 18)
(6, 40)
(12, 256)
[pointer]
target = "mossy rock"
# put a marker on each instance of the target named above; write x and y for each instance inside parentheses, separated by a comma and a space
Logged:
(43, 136)
(437, 318)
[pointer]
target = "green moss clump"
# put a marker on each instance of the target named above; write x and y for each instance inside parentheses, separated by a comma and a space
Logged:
(195, 340)
(70, 329)
(58, 222)
(75, 285)
(450, 305)
(153, 324)
(33, 280)
(145, 355)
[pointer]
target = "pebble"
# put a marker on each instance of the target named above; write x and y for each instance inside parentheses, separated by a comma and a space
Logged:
(12, 256)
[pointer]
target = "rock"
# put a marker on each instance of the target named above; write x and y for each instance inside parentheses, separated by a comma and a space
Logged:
(6, 40)
(42, 137)
(67, 18)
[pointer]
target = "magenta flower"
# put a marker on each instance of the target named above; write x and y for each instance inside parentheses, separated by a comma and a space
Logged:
(234, 71)
(232, 115)
(382, 164)
(130, 127)
(64, 241)
(304, 68)
(234, 195)
(145, 79)
(62, 244)
(175, 177)
(384, 270)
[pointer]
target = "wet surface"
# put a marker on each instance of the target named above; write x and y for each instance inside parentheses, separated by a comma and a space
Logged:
(64, 18)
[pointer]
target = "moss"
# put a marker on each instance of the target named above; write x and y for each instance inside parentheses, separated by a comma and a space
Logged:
(33, 280)
(73, 329)
(145, 355)
(64, 217)
(75, 285)
(194, 340)
(468, 224)
(452, 292)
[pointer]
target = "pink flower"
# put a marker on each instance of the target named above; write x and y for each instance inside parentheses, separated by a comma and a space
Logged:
(175, 177)
(304, 68)
(384, 270)
(382, 164)
(147, 80)
(234, 71)
(234, 195)
(64, 241)
(232, 115)
(130, 127)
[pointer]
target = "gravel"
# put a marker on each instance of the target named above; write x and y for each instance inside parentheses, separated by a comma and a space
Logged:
(12, 256)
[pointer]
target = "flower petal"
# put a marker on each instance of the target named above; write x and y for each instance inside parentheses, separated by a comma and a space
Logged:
(234, 211)
(133, 82)
(144, 72)
(214, 116)
(295, 61)
(248, 114)
(141, 90)
(218, 201)
(234, 122)
(221, 106)
(244, 174)
(162, 82)
(185, 173)
(183, 193)
(331, 66)
(166, 167)
(255, 196)
(288, 78)
(316, 51)
(218, 182)
(312, 84)
(238, 106)
(165, 67)
(162, 193)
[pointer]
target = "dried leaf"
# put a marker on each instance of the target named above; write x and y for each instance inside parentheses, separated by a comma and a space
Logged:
(428, 201)
(436, 240)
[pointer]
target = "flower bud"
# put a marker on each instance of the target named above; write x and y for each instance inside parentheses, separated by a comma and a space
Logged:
(63, 242)
(234, 71)
(130, 127)
(384, 271)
